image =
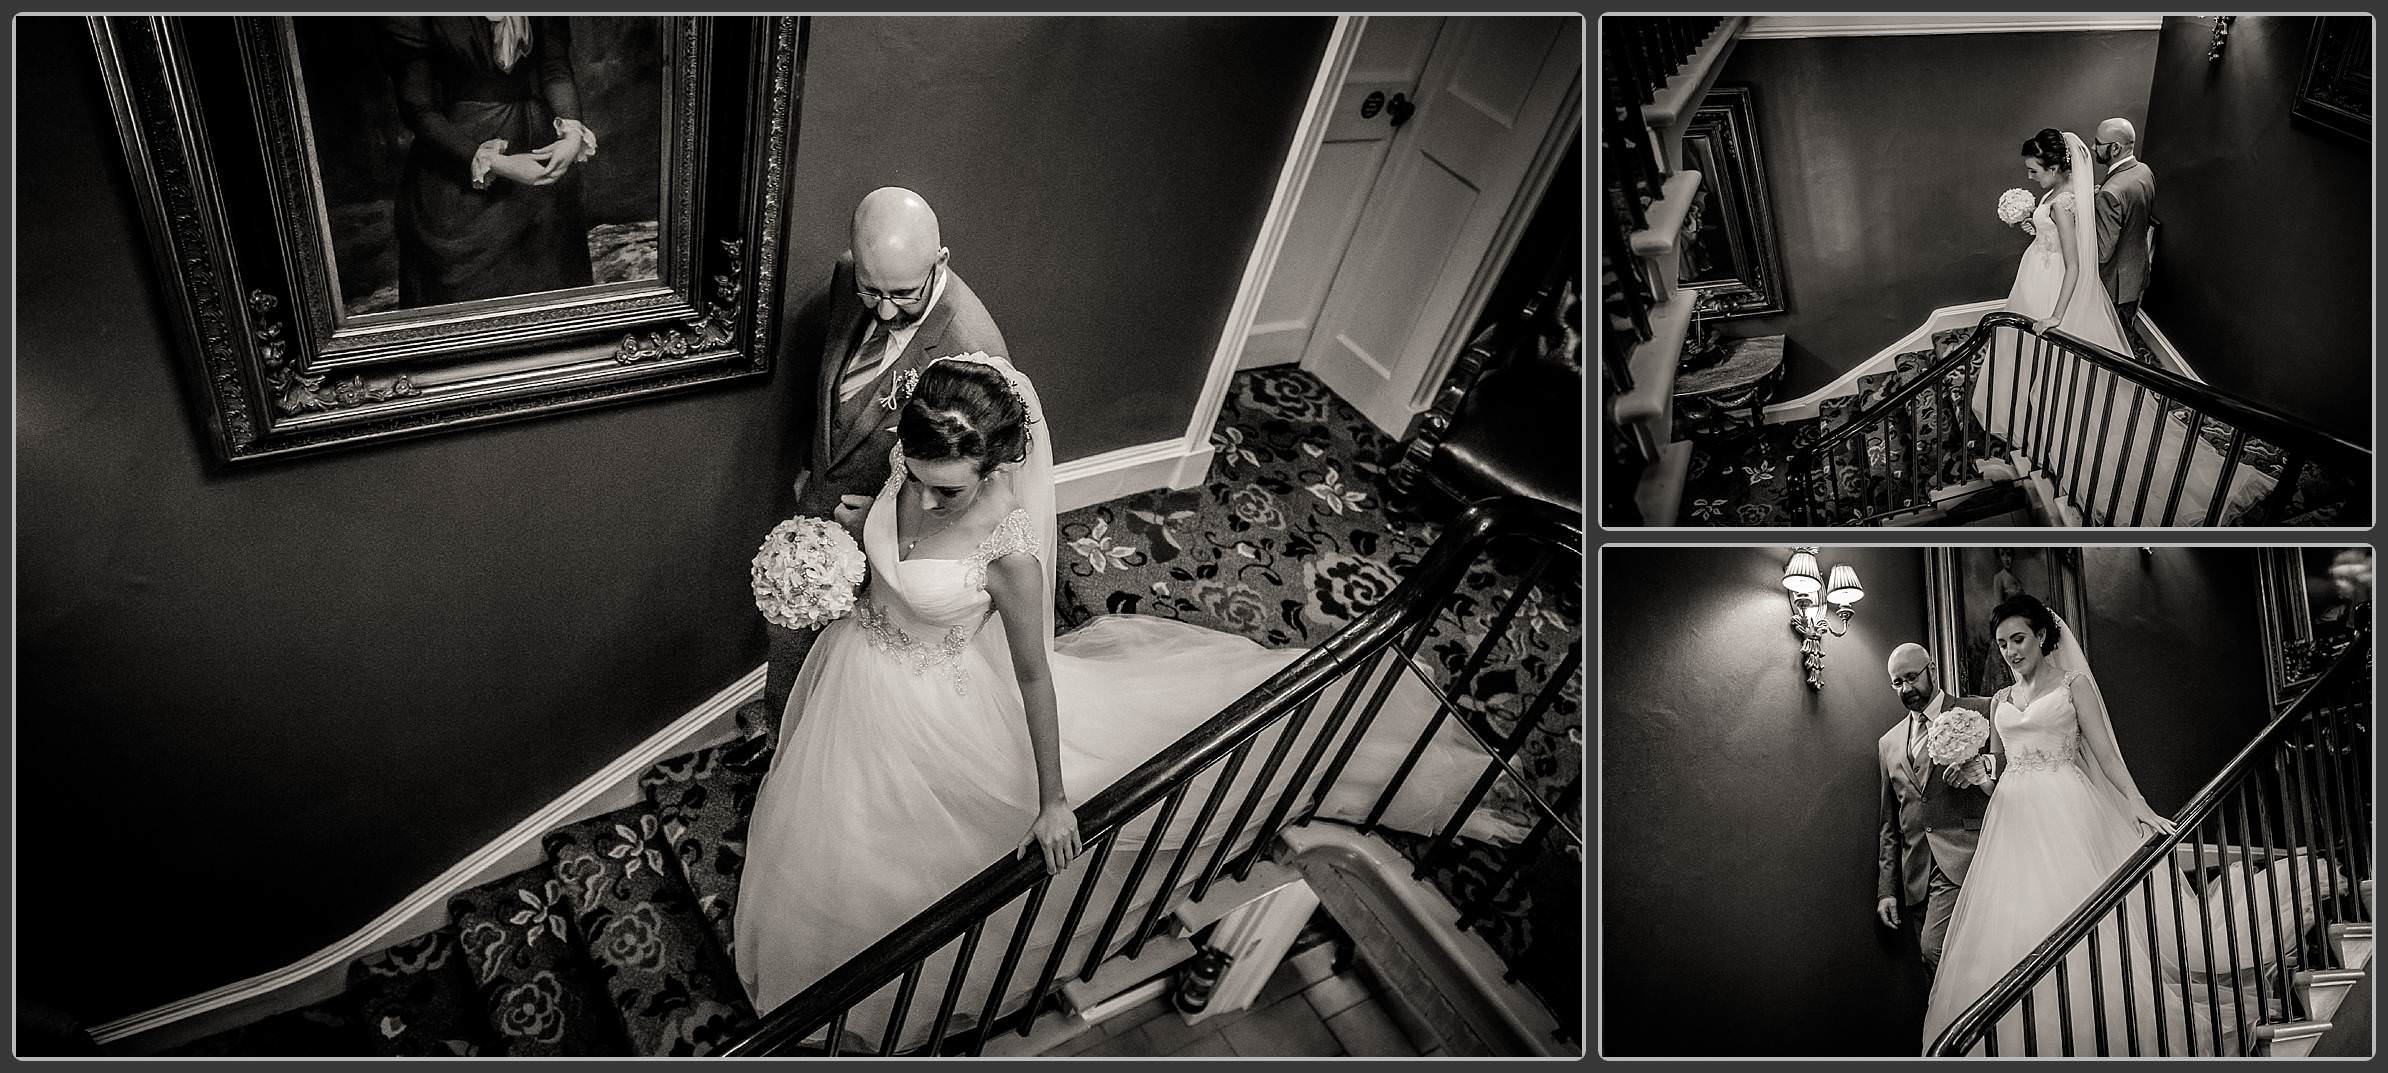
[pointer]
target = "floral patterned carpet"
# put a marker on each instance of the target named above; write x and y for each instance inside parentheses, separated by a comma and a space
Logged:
(618, 943)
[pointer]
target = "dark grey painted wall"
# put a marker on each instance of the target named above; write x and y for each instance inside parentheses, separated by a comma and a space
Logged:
(257, 709)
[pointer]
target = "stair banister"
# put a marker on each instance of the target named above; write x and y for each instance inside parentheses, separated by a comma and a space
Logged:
(970, 905)
(1974, 1023)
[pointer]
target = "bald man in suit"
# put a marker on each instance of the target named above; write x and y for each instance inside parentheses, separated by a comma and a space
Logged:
(2126, 221)
(895, 305)
(1930, 821)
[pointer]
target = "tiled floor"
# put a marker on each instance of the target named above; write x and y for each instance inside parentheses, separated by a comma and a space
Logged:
(1306, 1011)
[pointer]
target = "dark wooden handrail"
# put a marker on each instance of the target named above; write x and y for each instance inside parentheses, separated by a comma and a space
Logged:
(996, 886)
(1971, 1025)
(2258, 419)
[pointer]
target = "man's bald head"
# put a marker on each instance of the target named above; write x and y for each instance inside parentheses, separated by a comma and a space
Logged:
(2119, 132)
(897, 247)
(1912, 677)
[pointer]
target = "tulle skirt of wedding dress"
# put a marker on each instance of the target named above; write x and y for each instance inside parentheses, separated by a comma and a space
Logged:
(2049, 840)
(890, 789)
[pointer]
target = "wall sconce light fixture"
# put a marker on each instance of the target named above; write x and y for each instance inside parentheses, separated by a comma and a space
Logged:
(2221, 37)
(1811, 597)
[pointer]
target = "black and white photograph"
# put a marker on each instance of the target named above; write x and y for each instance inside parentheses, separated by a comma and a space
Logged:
(2141, 827)
(1989, 270)
(672, 535)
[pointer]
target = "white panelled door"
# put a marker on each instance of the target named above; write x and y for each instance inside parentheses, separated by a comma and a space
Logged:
(1495, 101)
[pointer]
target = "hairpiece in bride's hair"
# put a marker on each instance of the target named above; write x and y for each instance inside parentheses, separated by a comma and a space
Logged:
(979, 357)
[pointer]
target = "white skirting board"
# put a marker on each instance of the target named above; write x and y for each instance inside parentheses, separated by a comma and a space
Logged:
(1178, 463)
(324, 973)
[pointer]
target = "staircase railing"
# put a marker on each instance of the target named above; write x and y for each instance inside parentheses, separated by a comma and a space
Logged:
(1637, 57)
(1510, 531)
(2056, 407)
(2313, 764)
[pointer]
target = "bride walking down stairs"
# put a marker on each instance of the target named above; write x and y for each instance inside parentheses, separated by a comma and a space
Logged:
(618, 942)
(2267, 886)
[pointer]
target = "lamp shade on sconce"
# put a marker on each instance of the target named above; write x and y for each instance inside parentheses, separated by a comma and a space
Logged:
(1801, 575)
(1844, 589)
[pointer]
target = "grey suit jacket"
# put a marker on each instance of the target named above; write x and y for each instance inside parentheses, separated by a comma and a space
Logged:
(847, 452)
(1925, 821)
(2126, 228)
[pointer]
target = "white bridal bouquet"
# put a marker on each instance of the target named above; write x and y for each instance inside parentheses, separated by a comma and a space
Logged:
(1956, 736)
(2014, 207)
(807, 573)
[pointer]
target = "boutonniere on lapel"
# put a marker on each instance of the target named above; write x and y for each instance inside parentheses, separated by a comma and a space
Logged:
(900, 390)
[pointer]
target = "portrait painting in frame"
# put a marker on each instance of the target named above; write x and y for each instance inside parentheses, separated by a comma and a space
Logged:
(1967, 582)
(380, 227)
(1732, 255)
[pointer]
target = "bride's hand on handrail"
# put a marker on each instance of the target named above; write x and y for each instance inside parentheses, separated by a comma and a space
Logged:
(2149, 817)
(1055, 832)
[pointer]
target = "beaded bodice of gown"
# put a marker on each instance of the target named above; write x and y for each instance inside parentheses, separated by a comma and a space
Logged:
(2043, 733)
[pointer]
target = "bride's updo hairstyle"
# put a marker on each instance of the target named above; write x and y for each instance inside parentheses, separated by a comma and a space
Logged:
(966, 410)
(2028, 607)
(2048, 147)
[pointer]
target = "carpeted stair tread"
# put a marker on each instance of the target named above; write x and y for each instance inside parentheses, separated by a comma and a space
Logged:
(702, 800)
(327, 1029)
(417, 999)
(671, 986)
(540, 995)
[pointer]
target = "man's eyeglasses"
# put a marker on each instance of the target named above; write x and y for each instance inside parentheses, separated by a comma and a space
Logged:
(912, 297)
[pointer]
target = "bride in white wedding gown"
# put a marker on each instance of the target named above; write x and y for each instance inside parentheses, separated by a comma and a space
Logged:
(2057, 286)
(943, 725)
(2064, 818)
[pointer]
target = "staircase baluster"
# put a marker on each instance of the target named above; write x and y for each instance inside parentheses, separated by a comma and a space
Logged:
(2180, 472)
(1243, 812)
(2205, 931)
(2180, 942)
(903, 1005)
(2122, 467)
(2273, 861)
(1832, 484)
(2098, 992)
(2157, 417)
(2031, 1024)
(953, 987)
(2343, 780)
(1100, 851)
(2042, 386)
(1193, 841)
(2080, 446)
(1127, 890)
(2230, 465)
(2341, 836)
(837, 1033)
(2155, 951)
(2255, 940)
(1011, 964)
(2289, 844)
(2230, 921)
(1404, 651)
(1460, 686)
(2015, 388)
(2359, 845)
(2060, 452)
(1915, 454)
(2324, 902)
(2064, 1004)
(1326, 736)
(1509, 746)
(1520, 855)
(2089, 502)
(1990, 1037)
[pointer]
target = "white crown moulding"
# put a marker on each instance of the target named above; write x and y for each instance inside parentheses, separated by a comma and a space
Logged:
(1766, 27)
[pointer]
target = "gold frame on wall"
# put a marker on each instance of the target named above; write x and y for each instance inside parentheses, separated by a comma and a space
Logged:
(209, 110)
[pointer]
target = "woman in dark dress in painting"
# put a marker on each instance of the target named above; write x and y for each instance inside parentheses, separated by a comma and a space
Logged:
(489, 205)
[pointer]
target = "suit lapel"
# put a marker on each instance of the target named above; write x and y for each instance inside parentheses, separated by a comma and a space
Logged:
(845, 333)
(869, 414)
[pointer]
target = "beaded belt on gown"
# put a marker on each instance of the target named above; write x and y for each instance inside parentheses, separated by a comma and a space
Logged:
(2028, 759)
